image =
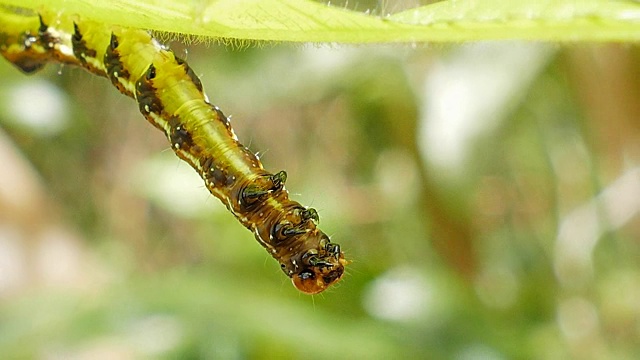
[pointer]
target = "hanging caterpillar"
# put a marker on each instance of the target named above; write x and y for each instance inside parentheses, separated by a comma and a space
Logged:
(171, 97)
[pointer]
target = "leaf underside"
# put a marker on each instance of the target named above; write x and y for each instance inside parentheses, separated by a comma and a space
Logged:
(307, 21)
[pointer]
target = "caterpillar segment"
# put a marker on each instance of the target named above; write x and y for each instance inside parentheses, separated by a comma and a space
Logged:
(171, 97)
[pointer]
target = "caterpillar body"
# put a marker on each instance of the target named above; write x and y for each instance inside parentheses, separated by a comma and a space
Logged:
(171, 97)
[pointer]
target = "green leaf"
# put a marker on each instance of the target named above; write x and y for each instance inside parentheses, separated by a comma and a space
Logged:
(307, 21)
(556, 20)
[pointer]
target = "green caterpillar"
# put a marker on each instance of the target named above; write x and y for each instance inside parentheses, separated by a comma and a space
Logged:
(170, 96)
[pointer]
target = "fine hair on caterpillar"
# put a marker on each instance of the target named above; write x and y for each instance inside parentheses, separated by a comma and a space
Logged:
(171, 97)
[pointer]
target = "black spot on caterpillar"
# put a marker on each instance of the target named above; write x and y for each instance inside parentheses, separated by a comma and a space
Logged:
(171, 97)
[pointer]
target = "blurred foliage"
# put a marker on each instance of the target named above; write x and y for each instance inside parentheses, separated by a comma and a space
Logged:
(465, 263)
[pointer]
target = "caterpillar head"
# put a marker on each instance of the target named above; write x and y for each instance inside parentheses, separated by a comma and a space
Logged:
(320, 267)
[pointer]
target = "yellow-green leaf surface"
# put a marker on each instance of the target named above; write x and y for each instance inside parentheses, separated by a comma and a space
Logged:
(308, 21)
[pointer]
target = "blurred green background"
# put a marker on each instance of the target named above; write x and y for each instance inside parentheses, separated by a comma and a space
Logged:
(488, 195)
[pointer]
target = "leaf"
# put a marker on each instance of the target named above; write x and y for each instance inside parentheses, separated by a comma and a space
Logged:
(556, 20)
(307, 21)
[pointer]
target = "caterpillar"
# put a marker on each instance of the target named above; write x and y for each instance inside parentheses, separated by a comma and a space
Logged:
(171, 97)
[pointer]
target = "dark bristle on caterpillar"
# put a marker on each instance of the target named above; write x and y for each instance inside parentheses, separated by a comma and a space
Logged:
(171, 97)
